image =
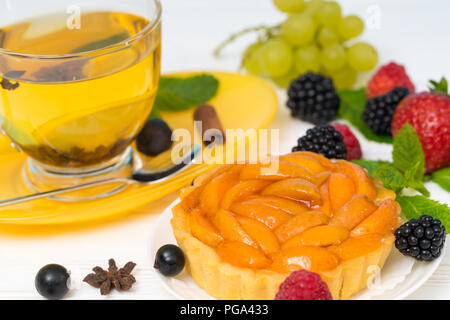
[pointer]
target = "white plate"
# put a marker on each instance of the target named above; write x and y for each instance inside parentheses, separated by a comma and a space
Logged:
(400, 277)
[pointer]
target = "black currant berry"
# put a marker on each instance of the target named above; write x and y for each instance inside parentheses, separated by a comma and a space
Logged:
(52, 282)
(155, 138)
(170, 260)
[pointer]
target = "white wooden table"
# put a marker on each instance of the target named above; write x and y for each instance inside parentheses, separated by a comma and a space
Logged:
(413, 33)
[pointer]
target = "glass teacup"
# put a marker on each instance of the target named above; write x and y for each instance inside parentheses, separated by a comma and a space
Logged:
(79, 78)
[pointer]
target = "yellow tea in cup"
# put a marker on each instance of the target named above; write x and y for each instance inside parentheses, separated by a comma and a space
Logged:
(74, 97)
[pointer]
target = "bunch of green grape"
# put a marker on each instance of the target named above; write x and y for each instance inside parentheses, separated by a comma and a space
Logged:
(314, 37)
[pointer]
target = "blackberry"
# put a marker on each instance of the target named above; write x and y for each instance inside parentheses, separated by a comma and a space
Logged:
(325, 140)
(422, 239)
(380, 110)
(313, 98)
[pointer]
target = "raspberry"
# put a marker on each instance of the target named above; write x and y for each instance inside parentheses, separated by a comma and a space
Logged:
(313, 98)
(422, 239)
(387, 78)
(324, 140)
(380, 110)
(303, 285)
(351, 142)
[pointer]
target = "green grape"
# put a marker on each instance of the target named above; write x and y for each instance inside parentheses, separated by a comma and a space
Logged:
(276, 57)
(333, 57)
(285, 80)
(362, 56)
(290, 6)
(351, 27)
(307, 59)
(344, 79)
(313, 6)
(252, 61)
(298, 29)
(327, 37)
(329, 14)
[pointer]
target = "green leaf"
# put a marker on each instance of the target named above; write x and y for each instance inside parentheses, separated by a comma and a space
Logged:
(370, 166)
(391, 177)
(415, 182)
(442, 178)
(408, 152)
(178, 94)
(353, 103)
(440, 87)
(414, 207)
(155, 114)
(102, 43)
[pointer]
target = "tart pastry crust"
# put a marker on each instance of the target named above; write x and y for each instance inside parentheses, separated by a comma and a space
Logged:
(226, 281)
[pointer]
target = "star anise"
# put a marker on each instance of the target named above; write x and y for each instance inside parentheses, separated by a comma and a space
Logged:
(120, 279)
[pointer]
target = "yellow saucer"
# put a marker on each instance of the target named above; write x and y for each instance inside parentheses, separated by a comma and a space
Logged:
(242, 102)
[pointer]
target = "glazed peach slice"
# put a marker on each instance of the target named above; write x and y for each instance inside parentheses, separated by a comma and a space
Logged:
(357, 246)
(295, 189)
(242, 255)
(384, 194)
(259, 232)
(353, 212)
(213, 191)
(191, 198)
(282, 170)
(385, 219)
(300, 223)
(341, 189)
(320, 236)
(309, 163)
(325, 162)
(203, 230)
(322, 177)
(289, 206)
(270, 216)
(364, 184)
(191, 201)
(325, 207)
(230, 228)
(310, 258)
(242, 190)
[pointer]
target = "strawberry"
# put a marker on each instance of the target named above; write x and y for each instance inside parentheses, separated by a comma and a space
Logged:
(387, 78)
(429, 114)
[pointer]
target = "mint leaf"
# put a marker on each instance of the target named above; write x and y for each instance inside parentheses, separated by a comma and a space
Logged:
(415, 182)
(408, 152)
(154, 114)
(442, 178)
(102, 43)
(178, 94)
(391, 177)
(414, 207)
(370, 166)
(353, 103)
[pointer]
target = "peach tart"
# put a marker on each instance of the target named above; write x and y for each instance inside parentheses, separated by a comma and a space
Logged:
(244, 230)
